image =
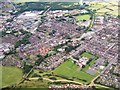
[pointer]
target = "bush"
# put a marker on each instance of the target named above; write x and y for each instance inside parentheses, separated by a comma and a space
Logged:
(36, 75)
(40, 78)
(53, 78)
(48, 75)
(40, 72)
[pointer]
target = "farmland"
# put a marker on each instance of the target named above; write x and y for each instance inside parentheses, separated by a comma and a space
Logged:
(103, 8)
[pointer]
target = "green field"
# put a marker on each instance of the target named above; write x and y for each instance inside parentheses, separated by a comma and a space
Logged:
(10, 75)
(34, 85)
(101, 87)
(103, 10)
(95, 6)
(83, 17)
(69, 69)
(87, 55)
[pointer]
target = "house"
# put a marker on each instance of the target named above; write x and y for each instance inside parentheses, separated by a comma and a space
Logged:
(99, 20)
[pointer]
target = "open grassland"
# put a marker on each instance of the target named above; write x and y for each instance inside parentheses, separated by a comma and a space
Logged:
(10, 75)
(70, 70)
(34, 84)
(83, 17)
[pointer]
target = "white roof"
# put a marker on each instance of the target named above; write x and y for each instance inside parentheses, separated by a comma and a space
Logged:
(30, 14)
(2, 56)
(102, 67)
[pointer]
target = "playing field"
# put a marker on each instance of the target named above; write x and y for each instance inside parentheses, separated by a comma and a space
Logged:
(10, 75)
(69, 69)
(83, 17)
(87, 55)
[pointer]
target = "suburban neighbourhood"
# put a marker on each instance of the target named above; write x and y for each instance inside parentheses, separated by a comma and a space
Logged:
(59, 45)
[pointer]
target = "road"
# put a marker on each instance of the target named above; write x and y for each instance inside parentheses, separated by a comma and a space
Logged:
(108, 66)
(46, 11)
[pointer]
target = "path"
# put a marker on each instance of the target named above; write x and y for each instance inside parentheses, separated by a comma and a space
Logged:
(62, 80)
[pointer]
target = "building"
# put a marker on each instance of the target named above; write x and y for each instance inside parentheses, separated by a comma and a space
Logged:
(99, 20)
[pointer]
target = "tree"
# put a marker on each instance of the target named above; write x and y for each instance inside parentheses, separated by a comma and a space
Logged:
(83, 66)
(40, 59)
(91, 17)
(53, 78)
(3, 33)
(69, 48)
(10, 52)
(9, 20)
(36, 75)
(26, 68)
(84, 20)
(25, 40)
(83, 39)
(40, 79)
(118, 16)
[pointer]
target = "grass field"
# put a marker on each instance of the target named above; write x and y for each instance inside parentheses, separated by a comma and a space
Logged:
(10, 75)
(69, 69)
(101, 87)
(83, 17)
(34, 85)
(95, 6)
(103, 10)
(87, 55)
